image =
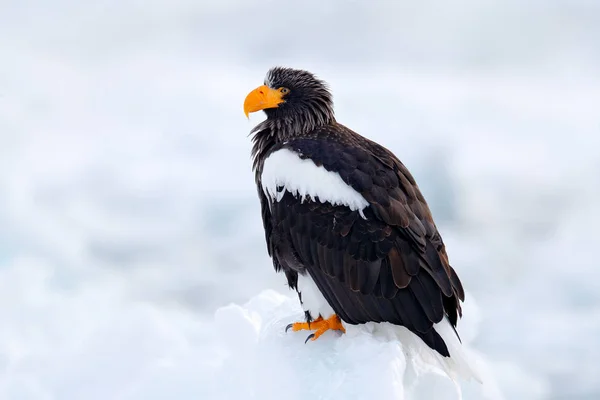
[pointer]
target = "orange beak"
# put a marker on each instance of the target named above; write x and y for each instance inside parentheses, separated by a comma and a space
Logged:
(260, 98)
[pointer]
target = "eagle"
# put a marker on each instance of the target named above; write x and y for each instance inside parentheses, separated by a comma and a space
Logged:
(344, 219)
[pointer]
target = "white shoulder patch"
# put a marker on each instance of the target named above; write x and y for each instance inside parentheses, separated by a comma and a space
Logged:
(284, 168)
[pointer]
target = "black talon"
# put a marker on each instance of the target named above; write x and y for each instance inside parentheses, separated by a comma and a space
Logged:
(288, 327)
(312, 335)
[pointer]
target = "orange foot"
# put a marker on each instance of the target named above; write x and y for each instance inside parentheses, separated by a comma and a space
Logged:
(320, 325)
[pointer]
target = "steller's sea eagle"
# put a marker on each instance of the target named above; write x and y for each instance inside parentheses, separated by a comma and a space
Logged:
(344, 219)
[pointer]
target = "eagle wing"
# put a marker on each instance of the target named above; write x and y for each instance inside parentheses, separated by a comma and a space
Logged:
(385, 262)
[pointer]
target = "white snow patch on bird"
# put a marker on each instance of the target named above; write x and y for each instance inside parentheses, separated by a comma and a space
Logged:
(312, 298)
(303, 178)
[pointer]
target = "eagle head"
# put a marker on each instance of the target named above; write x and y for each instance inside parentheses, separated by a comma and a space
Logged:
(294, 96)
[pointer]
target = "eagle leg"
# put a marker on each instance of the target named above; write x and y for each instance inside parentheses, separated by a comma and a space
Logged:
(319, 325)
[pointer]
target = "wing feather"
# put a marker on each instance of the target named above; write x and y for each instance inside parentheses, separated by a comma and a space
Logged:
(399, 274)
(389, 289)
(368, 273)
(429, 297)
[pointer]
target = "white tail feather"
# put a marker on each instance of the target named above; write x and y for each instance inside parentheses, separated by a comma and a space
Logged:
(459, 364)
(421, 357)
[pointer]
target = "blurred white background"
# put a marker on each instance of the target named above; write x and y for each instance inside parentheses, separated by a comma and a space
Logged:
(128, 210)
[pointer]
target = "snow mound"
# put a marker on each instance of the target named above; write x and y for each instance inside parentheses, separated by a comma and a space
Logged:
(262, 361)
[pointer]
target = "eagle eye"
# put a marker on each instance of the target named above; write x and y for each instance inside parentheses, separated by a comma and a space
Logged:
(284, 90)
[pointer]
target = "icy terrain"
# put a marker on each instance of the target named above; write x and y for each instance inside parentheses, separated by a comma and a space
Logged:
(128, 211)
(369, 361)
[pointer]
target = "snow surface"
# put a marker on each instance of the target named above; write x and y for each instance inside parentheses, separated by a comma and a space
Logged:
(302, 177)
(379, 361)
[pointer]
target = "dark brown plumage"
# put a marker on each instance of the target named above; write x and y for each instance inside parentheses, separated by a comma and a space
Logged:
(390, 265)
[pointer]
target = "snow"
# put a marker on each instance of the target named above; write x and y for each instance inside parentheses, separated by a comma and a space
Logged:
(302, 177)
(128, 209)
(262, 361)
